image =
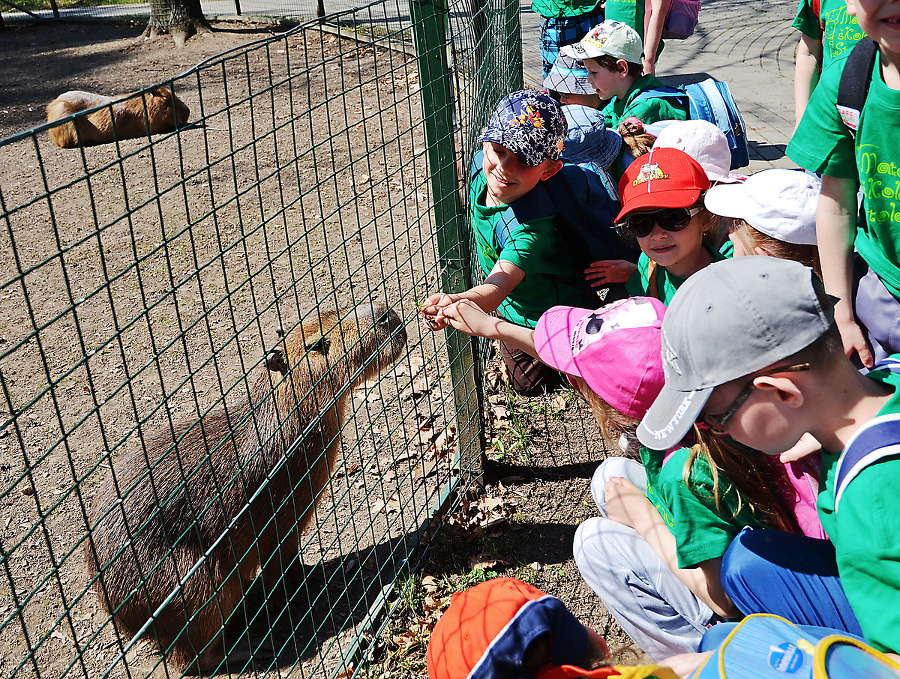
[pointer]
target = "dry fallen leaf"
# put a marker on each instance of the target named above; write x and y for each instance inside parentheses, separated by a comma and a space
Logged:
(428, 468)
(500, 412)
(484, 561)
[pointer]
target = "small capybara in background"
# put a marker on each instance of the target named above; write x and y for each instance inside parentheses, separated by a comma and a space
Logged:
(128, 116)
(201, 489)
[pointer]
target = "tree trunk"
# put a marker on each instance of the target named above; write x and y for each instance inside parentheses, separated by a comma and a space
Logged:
(180, 18)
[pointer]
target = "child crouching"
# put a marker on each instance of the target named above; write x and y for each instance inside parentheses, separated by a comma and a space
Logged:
(528, 267)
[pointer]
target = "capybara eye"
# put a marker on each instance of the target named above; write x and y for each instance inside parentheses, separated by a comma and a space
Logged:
(321, 345)
(593, 326)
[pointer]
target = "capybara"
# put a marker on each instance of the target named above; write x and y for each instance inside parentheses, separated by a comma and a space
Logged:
(128, 115)
(238, 485)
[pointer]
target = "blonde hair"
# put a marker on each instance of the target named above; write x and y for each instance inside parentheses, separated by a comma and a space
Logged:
(613, 424)
(751, 238)
(639, 141)
(741, 476)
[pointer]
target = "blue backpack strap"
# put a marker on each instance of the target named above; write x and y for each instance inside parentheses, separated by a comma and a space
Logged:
(855, 80)
(876, 440)
(477, 164)
(536, 204)
(664, 93)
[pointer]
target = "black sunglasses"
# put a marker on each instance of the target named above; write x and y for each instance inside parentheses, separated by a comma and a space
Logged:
(669, 218)
(718, 422)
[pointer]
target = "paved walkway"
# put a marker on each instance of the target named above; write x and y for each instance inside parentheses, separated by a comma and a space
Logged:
(750, 45)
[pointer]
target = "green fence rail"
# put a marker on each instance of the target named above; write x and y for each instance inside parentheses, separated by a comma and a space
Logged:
(223, 430)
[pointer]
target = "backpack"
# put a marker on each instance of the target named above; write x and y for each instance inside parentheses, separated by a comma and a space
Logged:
(877, 440)
(681, 19)
(855, 80)
(585, 206)
(711, 100)
(765, 646)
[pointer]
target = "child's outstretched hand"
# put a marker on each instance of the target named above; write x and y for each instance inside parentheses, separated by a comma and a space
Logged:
(432, 308)
(608, 271)
(466, 316)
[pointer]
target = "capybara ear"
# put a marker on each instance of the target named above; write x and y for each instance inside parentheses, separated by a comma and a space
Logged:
(275, 360)
(321, 345)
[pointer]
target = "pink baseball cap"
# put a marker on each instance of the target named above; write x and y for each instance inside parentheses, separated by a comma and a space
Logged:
(616, 349)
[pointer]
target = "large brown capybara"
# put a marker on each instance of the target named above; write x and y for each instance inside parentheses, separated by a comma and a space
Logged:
(202, 489)
(163, 112)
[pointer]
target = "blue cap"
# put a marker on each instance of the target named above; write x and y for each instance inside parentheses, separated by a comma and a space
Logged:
(529, 123)
(588, 140)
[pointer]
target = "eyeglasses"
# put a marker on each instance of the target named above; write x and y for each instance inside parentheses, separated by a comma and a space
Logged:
(718, 422)
(668, 218)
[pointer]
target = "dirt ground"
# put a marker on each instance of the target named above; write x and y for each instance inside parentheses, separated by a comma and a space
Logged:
(41, 61)
(208, 242)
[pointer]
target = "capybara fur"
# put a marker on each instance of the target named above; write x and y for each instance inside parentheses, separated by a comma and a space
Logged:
(201, 487)
(128, 115)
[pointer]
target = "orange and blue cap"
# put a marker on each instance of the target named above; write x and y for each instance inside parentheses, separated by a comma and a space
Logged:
(487, 629)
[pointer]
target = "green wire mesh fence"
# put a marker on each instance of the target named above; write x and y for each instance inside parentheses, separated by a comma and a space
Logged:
(223, 431)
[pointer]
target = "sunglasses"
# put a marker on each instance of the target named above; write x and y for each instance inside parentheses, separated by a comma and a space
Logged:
(669, 219)
(717, 422)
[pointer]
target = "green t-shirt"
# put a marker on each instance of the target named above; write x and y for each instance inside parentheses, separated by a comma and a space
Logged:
(866, 536)
(666, 284)
(647, 110)
(701, 531)
(533, 247)
(630, 12)
(823, 144)
(564, 8)
(839, 31)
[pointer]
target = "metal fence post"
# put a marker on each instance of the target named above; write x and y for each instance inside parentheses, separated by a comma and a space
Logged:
(512, 37)
(430, 33)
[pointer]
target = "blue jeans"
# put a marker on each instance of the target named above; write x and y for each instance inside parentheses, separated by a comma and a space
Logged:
(796, 577)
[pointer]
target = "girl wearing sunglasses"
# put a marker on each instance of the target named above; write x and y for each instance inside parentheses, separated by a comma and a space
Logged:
(662, 209)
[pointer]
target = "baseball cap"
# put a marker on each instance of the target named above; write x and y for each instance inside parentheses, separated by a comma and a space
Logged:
(729, 320)
(530, 124)
(779, 203)
(615, 349)
(568, 75)
(588, 139)
(662, 178)
(702, 141)
(486, 630)
(611, 38)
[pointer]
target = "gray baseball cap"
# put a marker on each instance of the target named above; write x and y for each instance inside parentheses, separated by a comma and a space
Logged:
(726, 321)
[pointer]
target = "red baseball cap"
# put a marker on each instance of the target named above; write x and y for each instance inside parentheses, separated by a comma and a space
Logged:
(486, 630)
(665, 177)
